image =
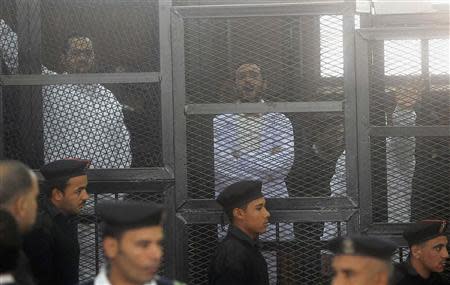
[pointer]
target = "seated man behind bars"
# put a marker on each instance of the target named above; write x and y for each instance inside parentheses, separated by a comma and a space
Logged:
(80, 120)
(256, 146)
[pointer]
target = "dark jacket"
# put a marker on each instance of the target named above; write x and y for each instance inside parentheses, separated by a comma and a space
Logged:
(405, 274)
(159, 281)
(22, 274)
(238, 261)
(52, 247)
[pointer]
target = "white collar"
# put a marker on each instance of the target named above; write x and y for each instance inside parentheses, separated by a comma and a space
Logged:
(102, 278)
(7, 278)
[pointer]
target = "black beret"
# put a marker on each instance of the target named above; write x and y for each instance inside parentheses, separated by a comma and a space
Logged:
(130, 215)
(64, 169)
(424, 230)
(362, 246)
(240, 193)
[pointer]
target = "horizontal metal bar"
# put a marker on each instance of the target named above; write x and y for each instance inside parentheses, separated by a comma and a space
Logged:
(411, 19)
(280, 204)
(153, 179)
(413, 131)
(267, 107)
(277, 216)
(84, 78)
(126, 174)
(273, 9)
(405, 33)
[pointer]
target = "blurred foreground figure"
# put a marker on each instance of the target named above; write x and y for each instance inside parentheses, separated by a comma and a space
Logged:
(9, 248)
(361, 260)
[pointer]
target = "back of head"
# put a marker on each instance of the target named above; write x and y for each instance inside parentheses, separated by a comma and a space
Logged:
(15, 180)
(9, 242)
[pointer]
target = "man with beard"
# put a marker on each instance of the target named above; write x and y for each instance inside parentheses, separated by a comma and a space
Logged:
(428, 253)
(132, 243)
(52, 246)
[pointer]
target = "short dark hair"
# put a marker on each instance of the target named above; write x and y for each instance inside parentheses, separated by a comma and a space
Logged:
(15, 180)
(49, 185)
(9, 242)
(229, 212)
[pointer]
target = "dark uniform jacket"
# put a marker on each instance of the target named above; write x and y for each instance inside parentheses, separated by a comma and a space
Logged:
(238, 261)
(405, 274)
(159, 281)
(52, 247)
(22, 274)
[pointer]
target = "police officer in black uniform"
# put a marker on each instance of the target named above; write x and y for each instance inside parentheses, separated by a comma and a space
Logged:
(238, 260)
(52, 245)
(427, 254)
(361, 260)
(132, 243)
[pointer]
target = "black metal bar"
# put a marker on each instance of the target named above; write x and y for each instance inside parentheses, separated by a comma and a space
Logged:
(281, 204)
(292, 216)
(267, 107)
(404, 33)
(85, 78)
(363, 118)
(179, 137)
(255, 10)
(165, 51)
(413, 131)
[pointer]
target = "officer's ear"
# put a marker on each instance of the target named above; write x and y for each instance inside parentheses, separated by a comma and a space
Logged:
(57, 194)
(416, 251)
(110, 247)
(238, 214)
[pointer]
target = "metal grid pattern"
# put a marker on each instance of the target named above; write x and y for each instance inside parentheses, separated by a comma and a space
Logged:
(288, 50)
(296, 154)
(115, 126)
(291, 259)
(409, 87)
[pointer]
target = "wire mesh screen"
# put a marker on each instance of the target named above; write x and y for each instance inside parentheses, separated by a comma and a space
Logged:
(410, 87)
(90, 230)
(290, 51)
(290, 259)
(115, 127)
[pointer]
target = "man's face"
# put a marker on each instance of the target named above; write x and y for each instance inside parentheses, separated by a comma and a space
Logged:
(433, 254)
(358, 270)
(79, 58)
(407, 97)
(249, 83)
(75, 195)
(136, 256)
(30, 207)
(255, 216)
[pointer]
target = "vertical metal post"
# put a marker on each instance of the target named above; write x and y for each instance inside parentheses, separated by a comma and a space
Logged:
(363, 119)
(425, 54)
(179, 101)
(29, 102)
(167, 118)
(350, 113)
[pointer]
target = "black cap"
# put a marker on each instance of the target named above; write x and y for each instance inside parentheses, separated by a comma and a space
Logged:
(362, 246)
(64, 169)
(240, 193)
(424, 230)
(130, 215)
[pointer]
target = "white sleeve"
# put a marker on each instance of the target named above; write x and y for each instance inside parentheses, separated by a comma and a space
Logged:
(9, 47)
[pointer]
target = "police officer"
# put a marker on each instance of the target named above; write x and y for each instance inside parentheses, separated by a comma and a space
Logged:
(238, 260)
(427, 254)
(52, 245)
(361, 260)
(132, 243)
